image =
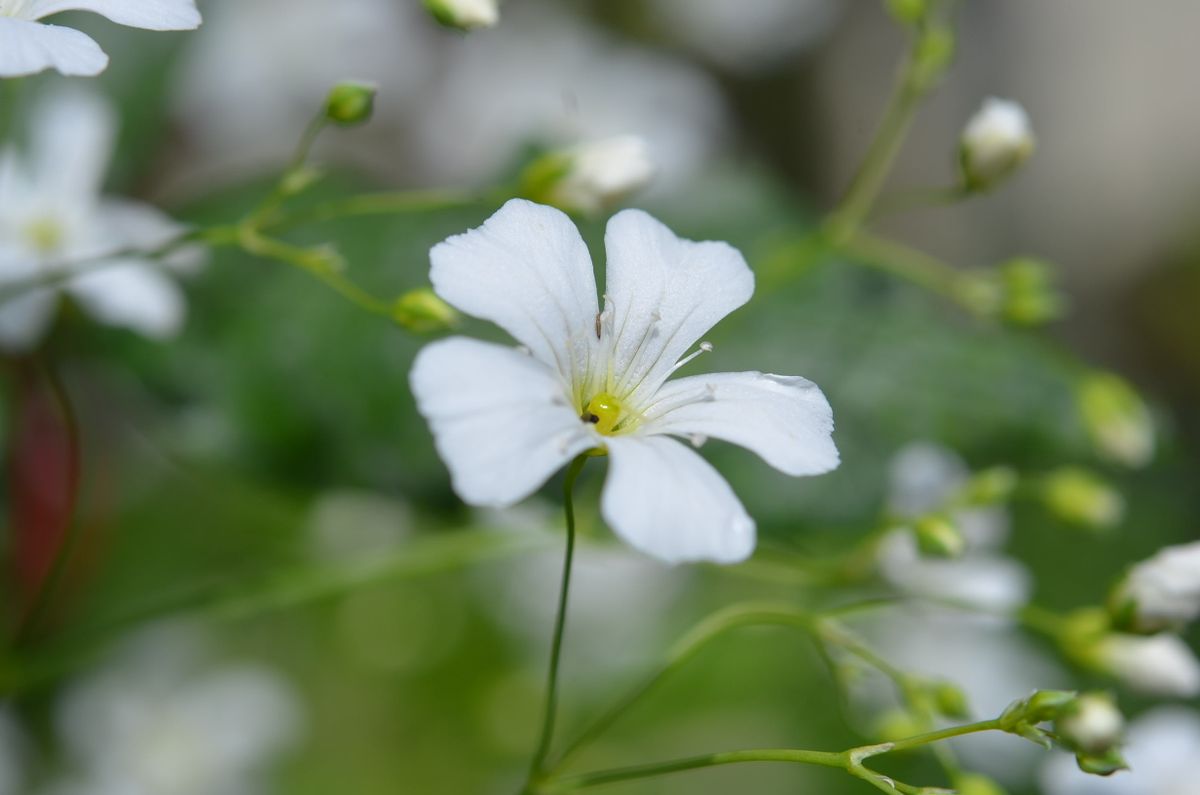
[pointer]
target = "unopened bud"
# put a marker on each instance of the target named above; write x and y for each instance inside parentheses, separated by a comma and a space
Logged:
(351, 103)
(590, 177)
(933, 54)
(1162, 592)
(1029, 295)
(1046, 705)
(1103, 764)
(907, 12)
(938, 538)
(1079, 497)
(422, 311)
(976, 784)
(465, 14)
(996, 142)
(1116, 419)
(1159, 665)
(951, 701)
(991, 486)
(1091, 724)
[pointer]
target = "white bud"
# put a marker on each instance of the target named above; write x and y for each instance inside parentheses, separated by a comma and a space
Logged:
(1164, 590)
(465, 14)
(1160, 665)
(599, 174)
(1117, 420)
(995, 142)
(1092, 724)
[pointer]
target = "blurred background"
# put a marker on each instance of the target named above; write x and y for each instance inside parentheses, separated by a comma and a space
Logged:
(263, 478)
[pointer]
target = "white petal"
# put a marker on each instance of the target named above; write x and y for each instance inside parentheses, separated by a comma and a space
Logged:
(667, 501)
(24, 319)
(528, 271)
(784, 419)
(74, 131)
(500, 418)
(664, 293)
(128, 224)
(27, 48)
(131, 294)
(148, 14)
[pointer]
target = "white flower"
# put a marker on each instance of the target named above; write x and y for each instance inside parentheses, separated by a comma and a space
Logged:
(599, 174)
(52, 214)
(465, 14)
(1164, 591)
(505, 419)
(1161, 747)
(995, 142)
(923, 476)
(1161, 665)
(28, 46)
(1094, 724)
(156, 721)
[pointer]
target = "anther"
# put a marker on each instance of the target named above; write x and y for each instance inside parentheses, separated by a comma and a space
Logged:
(705, 347)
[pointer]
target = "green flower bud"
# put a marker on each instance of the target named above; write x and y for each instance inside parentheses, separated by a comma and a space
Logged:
(991, 486)
(1080, 497)
(1091, 724)
(938, 538)
(976, 784)
(1030, 298)
(897, 725)
(351, 103)
(934, 53)
(422, 311)
(464, 14)
(951, 701)
(1046, 705)
(907, 12)
(1118, 422)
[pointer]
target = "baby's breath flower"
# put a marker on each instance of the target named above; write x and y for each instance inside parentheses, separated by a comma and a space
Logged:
(1161, 592)
(1159, 665)
(505, 419)
(994, 144)
(29, 46)
(593, 176)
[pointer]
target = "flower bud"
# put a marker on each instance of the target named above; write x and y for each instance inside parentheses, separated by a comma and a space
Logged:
(976, 784)
(1103, 764)
(991, 486)
(422, 311)
(1159, 665)
(1091, 724)
(1079, 497)
(592, 176)
(465, 14)
(951, 701)
(938, 538)
(994, 144)
(1162, 592)
(1029, 296)
(351, 103)
(1046, 705)
(1116, 419)
(907, 12)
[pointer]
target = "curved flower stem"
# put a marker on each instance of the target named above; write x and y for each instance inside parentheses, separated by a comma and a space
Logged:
(850, 760)
(920, 198)
(548, 717)
(384, 203)
(906, 263)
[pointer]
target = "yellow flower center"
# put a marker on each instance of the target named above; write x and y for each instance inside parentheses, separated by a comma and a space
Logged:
(45, 235)
(604, 411)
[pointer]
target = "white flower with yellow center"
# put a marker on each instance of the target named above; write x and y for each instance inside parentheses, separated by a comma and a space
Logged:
(53, 218)
(505, 419)
(29, 46)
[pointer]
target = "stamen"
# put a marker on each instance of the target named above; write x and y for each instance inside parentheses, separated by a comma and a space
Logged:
(698, 440)
(705, 394)
(705, 347)
(634, 363)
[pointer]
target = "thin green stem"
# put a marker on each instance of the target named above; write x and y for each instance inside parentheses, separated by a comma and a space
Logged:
(10, 101)
(387, 203)
(945, 734)
(906, 263)
(550, 714)
(919, 199)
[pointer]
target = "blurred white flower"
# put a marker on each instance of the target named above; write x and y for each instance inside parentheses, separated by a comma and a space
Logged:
(563, 82)
(505, 419)
(598, 174)
(52, 214)
(1093, 725)
(12, 755)
(283, 78)
(157, 721)
(750, 35)
(1161, 748)
(995, 142)
(1160, 665)
(28, 46)
(993, 663)
(465, 14)
(923, 477)
(1164, 590)
(1117, 419)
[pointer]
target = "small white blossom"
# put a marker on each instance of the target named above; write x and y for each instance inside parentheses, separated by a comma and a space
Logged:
(1164, 591)
(1162, 748)
(505, 419)
(53, 216)
(465, 14)
(157, 721)
(599, 174)
(1160, 665)
(995, 142)
(29, 46)
(923, 476)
